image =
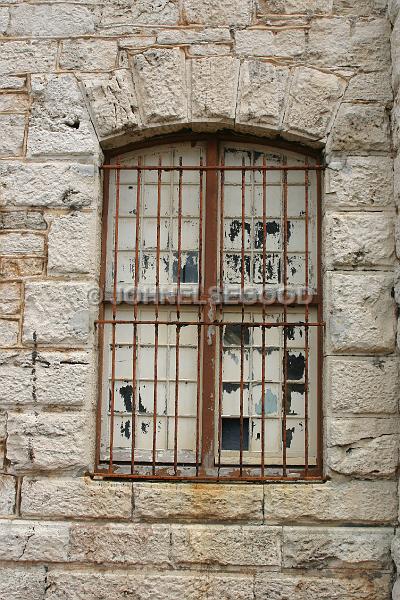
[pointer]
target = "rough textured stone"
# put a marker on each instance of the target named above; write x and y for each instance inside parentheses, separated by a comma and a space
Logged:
(237, 12)
(88, 55)
(59, 123)
(56, 313)
(361, 313)
(214, 88)
(126, 544)
(393, 9)
(119, 16)
(294, 6)
(22, 583)
(16, 268)
(75, 497)
(71, 244)
(263, 42)
(313, 98)
(396, 549)
(362, 385)
(33, 541)
(369, 87)
(12, 135)
(359, 240)
(395, 42)
(16, 103)
(9, 82)
(337, 548)
(360, 127)
(201, 502)
(48, 442)
(113, 102)
(262, 93)
(361, 8)
(59, 185)
(7, 495)
(353, 502)
(360, 182)
(226, 545)
(22, 220)
(27, 56)
(207, 35)
(21, 243)
(9, 331)
(55, 19)
(10, 298)
(161, 84)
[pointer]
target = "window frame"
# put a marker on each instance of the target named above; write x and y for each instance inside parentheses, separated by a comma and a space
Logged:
(207, 469)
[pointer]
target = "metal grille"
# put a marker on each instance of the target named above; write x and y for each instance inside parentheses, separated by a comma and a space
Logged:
(210, 330)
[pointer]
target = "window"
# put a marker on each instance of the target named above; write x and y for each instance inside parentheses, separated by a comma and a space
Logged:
(210, 329)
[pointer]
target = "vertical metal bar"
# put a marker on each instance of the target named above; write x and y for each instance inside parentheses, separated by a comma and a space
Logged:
(114, 315)
(221, 291)
(264, 267)
(243, 208)
(306, 329)
(200, 295)
(157, 300)
(135, 313)
(178, 314)
(320, 319)
(285, 282)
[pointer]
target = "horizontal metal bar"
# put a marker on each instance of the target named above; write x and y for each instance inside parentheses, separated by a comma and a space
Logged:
(214, 168)
(216, 323)
(210, 479)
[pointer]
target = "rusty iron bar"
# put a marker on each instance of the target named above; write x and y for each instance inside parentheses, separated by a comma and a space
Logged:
(285, 361)
(268, 325)
(217, 168)
(199, 317)
(306, 336)
(177, 341)
(243, 212)
(212, 478)
(221, 330)
(154, 448)
(264, 217)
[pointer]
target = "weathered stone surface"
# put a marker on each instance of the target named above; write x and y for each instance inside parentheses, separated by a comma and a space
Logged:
(294, 6)
(139, 41)
(71, 244)
(360, 127)
(12, 135)
(113, 102)
(231, 12)
(360, 182)
(57, 19)
(363, 447)
(395, 43)
(33, 541)
(361, 313)
(119, 16)
(359, 240)
(207, 35)
(396, 549)
(89, 54)
(59, 185)
(362, 385)
(15, 103)
(361, 8)
(27, 56)
(393, 9)
(9, 331)
(16, 268)
(22, 583)
(337, 548)
(206, 49)
(332, 33)
(9, 82)
(202, 502)
(22, 220)
(313, 99)
(7, 495)
(396, 123)
(126, 544)
(48, 442)
(351, 502)
(262, 92)
(161, 84)
(226, 545)
(4, 18)
(369, 87)
(145, 586)
(56, 313)
(280, 587)
(75, 497)
(263, 42)
(59, 123)
(214, 83)
(10, 298)
(21, 243)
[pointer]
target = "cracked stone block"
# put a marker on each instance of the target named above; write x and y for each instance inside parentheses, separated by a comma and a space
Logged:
(12, 135)
(230, 12)
(34, 541)
(214, 88)
(72, 244)
(27, 56)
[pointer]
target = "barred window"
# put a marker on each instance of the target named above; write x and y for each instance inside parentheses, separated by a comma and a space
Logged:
(210, 330)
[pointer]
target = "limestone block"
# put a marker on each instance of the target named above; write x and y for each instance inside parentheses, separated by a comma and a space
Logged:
(48, 442)
(15, 375)
(395, 41)
(7, 495)
(15, 103)
(208, 35)
(119, 16)
(369, 87)
(282, 586)
(354, 502)
(8, 82)
(361, 313)
(75, 497)
(59, 124)
(142, 585)
(370, 41)
(396, 549)
(12, 135)
(27, 56)
(22, 220)
(360, 127)
(393, 9)
(360, 182)
(296, 7)
(56, 313)
(53, 185)
(51, 20)
(4, 18)
(231, 12)
(289, 43)
(363, 447)
(88, 54)
(113, 102)
(11, 268)
(34, 541)
(362, 385)
(262, 92)
(126, 544)
(226, 545)
(205, 502)
(161, 84)
(332, 33)
(396, 122)
(10, 298)
(137, 42)
(206, 49)
(396, 590)
(365, 8)
(359, 548)
(359, 240)
(21, 243)
(9, 331)
(71, 244)
(313, 100)
(23, 583)
(214, 83)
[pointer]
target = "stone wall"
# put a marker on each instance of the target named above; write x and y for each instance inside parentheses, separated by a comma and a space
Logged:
(76, 77)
